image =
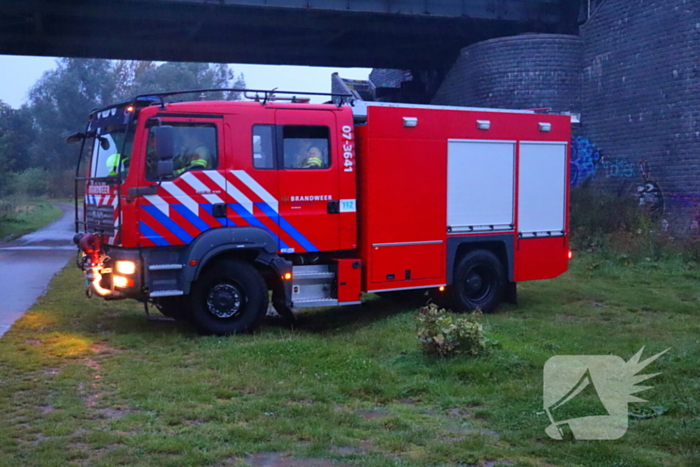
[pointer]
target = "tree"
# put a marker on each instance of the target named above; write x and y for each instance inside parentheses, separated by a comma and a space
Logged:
(63, 98)
(16, 132)
(60, 103)
(127, 74)
(179, 76)
(5, 150)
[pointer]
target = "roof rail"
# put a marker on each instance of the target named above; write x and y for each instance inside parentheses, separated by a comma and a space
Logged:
(260, 95)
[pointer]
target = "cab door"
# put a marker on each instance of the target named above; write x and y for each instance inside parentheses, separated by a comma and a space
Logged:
(252, 174)
(191, 201)
(308, 180)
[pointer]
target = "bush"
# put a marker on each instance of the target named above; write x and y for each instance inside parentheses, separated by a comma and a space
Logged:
(597, 213)
(29, 182)
(61, 184)
(36, 182)
(615, 225)
(442, 334)
(8, 209)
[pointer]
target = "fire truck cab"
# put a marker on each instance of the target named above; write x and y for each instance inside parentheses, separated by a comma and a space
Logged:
(208, 208)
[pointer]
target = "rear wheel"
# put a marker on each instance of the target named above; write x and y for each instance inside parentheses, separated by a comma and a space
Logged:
(230, 297)
(479, 282)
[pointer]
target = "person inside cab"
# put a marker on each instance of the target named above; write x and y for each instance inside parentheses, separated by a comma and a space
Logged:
(313, 159)
(114, 164)
(307, 156)
(194, 154)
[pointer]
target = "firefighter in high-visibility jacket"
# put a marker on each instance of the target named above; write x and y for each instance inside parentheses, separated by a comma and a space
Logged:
(114, 162)
(196, 157)
(313, 159)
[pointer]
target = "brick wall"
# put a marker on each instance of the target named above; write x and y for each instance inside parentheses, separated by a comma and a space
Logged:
(518, 72)
(641, 106)
(389, 78)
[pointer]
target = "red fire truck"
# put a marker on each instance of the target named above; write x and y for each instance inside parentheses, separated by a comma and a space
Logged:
(317, 204)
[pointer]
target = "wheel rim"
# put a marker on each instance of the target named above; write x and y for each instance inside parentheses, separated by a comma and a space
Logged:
(478, 283)
(225, 300)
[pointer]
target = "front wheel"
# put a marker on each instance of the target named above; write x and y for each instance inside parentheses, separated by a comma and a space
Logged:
(479, 282)
(230, 297)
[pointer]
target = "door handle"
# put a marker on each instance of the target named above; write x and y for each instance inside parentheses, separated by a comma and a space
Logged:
(218, 209)
(143, 191)
(333, 206)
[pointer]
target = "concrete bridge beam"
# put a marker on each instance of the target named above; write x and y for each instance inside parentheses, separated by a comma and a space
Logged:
(406, 34)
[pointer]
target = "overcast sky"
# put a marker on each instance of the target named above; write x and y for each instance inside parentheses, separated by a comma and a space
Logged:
(18, 74)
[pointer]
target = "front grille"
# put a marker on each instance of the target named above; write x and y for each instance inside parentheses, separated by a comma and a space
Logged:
(100, 218)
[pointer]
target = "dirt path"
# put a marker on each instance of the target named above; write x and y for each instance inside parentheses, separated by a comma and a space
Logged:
(28, 263)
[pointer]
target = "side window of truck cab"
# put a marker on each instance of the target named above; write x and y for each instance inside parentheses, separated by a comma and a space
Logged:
(195, 149)
(306, 147)
(263, 147)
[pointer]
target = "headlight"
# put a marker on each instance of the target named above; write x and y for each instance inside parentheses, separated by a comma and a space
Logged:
(126, 267)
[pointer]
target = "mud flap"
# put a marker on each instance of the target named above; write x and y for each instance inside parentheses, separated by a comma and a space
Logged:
(284, 312)
(510, 294)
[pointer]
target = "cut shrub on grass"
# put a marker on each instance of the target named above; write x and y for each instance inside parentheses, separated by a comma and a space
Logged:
(442, 334)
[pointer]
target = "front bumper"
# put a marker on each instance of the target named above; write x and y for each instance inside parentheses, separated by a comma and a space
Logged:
(102, 277)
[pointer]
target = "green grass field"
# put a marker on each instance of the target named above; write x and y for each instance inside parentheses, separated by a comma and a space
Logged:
(19, 216)
(89, 382)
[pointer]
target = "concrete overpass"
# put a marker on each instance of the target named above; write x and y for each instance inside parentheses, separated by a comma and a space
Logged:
(405, 34)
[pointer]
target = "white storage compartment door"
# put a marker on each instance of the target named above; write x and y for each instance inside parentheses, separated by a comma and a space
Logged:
(542, 188)
(480, 185)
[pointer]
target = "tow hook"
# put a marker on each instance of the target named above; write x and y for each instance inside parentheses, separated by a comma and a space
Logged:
(95, 278)
(91, 245)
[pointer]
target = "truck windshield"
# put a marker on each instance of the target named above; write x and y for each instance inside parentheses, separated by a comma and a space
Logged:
(107, 158)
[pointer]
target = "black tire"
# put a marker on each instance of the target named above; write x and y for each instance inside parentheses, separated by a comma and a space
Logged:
(229, 297)
(178, 308)
(478, 282)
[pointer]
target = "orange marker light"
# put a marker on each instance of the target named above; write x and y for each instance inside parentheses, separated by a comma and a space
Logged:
(122, 282)
(130, 108)
(287, 275)
(571, 254)
(441, 288)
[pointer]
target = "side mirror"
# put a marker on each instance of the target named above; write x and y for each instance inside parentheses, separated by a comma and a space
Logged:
(104, 142)
(165, 169)
(165, 142)
(75, 137)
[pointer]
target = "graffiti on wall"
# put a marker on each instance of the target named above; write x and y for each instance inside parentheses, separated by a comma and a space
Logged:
(688, 202)
(588, 163)
(649, 192)
(618, 168)
(585, 157)
(684, 200)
